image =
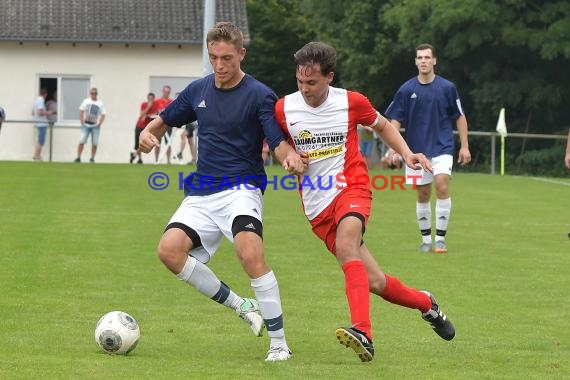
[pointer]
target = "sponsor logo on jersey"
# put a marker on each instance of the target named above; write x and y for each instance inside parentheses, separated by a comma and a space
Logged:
(319, 145)
(327, 152)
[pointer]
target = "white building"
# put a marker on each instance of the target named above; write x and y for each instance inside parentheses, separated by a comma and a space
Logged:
(125, 48)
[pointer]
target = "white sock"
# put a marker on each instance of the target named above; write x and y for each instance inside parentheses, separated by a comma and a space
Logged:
(423, 213)
(267, 293)
(206, 282)
(442, 212)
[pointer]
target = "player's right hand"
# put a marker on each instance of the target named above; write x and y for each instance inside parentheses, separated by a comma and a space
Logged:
(296, 164)
(418, 161)
(147, 141)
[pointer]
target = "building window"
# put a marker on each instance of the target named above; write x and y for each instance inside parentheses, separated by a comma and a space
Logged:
(68, 92)
(177, 84)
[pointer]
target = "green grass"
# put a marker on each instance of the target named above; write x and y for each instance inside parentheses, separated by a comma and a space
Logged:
(77, 241)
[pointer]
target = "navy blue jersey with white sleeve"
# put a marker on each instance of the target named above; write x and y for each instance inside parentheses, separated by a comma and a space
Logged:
(233, 123)
(428, 112)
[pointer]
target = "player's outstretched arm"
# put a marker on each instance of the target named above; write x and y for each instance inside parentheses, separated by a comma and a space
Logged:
(391, 136)
(290, 160)
(151, 135)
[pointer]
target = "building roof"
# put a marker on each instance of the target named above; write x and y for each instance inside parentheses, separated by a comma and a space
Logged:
(113, 21)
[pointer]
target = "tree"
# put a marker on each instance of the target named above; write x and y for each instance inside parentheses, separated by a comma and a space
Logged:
(511, 54)
(277, 29)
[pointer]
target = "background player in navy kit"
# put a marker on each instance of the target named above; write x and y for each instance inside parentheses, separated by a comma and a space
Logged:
(235, 112)
(427, 105)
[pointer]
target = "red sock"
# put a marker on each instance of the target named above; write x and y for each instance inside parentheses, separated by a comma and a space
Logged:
(400, 294)
(358, 295)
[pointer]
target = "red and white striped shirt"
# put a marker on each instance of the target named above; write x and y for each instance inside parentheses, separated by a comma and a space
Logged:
(328, 134)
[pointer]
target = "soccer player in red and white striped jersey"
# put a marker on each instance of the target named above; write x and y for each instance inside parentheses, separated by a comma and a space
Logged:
(321, 122)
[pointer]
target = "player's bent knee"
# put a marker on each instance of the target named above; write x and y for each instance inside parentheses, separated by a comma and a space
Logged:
(166, 250)
(174, 246)
(171, 258)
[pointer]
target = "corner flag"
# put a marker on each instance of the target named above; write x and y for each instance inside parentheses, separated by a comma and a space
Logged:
(502, 131)
(501, 125)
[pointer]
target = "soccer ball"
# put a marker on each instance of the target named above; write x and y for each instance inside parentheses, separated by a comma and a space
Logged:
(117, 333)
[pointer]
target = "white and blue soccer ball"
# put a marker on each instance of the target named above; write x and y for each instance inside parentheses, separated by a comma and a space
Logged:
(117, 333)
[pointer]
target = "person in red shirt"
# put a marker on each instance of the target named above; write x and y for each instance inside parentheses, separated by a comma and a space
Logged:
(162, 103)
(148, 110)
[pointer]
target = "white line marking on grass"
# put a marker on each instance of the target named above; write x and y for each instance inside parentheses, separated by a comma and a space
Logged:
(551, 181)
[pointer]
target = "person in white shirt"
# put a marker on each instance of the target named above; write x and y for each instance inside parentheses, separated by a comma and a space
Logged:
(91, 116)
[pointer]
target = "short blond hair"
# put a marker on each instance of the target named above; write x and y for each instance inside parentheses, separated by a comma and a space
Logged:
(227, 32)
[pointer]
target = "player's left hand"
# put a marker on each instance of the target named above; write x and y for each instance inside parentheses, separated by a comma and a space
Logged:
(464, 156)
(418, 161)
(296, 164)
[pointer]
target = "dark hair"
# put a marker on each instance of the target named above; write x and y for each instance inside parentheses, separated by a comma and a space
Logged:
(151, 94)
(43, 91)
(426, 47)
(317, 53)
(227, 32)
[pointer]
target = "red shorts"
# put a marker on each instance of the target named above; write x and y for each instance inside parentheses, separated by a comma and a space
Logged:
(355, 201)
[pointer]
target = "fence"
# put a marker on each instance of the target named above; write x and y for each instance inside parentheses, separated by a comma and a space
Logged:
(492, 138)
(32, 122)
(493, 142)
(116, 142)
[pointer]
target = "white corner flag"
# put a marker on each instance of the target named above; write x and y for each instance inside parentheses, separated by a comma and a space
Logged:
(502, 131)
(501, 125)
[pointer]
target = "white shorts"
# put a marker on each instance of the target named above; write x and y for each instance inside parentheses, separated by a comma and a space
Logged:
(211, 216)
(440, 164)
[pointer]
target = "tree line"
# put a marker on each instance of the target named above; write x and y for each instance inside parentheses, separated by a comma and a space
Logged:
(509, 53)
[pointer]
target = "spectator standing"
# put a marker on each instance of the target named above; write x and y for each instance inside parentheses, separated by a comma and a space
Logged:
(188, 136)
(91, 116)
(40, 114)
(162, 103)
(147, 110)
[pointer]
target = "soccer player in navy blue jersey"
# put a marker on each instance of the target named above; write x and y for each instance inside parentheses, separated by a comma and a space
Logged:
(224, 196)
(428, 105)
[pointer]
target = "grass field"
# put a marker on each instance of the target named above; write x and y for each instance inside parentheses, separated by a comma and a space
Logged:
(77, 241)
